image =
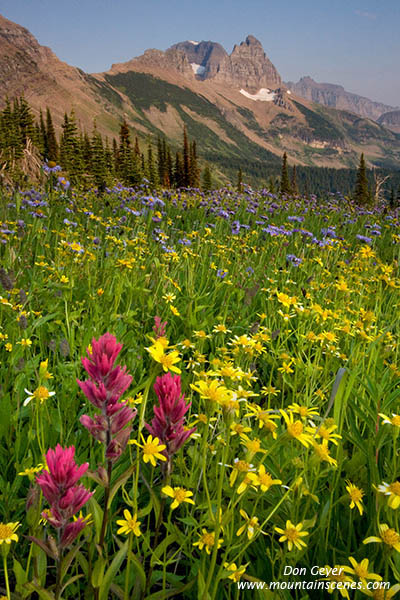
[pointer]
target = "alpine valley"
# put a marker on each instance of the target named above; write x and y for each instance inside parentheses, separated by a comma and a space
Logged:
(236, 105)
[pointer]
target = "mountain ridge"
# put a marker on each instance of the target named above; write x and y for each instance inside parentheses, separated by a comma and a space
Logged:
(237, 107)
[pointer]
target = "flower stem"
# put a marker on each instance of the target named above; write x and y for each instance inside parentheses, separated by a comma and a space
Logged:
(6, 577)
(105, 513)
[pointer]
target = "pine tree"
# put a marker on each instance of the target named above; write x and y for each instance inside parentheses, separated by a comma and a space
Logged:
(87, 157)
(43, 145)
(207, 179)
(194, 173)
(362, 193)
(179, 175)
(70, 148)
(124, 165)
(239, 185)
(51, 139)
(98, 159)
(186, 159)
(151, 172)
(26, 121)
(271, 185)
(285, 185)
(293, 183)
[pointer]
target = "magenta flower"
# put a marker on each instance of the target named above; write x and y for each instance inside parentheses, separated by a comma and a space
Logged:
(169, 416)
(65, 498)
(159, 327)
(106, 385)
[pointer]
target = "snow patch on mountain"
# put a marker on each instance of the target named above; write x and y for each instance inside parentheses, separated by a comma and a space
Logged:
(264, 95)
(197, 69)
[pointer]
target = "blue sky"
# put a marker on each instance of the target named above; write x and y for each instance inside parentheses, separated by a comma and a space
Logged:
(355, 43)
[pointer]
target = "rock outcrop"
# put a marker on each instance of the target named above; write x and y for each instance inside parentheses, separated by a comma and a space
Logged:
(391, 120)
(335, 96)
(249, 67)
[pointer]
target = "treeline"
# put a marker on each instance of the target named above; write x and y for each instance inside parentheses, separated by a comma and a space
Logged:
(92, 157)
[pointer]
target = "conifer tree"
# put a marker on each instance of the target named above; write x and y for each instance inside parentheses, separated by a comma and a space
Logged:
(51, 139)
(179, 175)
(186, 159)
(194, 174)
(362, 193)
(293, 183)
(151, 171)
(285, 185)
(271, 185)
(170, 170)
(239, 185)
(98, 159)
(207, 179)
(124, 165)
(43, 145)
(25, 121)
(86, 146)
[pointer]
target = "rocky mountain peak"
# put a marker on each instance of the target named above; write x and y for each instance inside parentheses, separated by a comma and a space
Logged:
(247, 67)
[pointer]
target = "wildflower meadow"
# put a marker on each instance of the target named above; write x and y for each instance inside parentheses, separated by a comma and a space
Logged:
(199, 395)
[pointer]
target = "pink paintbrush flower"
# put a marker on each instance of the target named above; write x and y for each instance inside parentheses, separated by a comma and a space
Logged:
(169, 415)
(58, 485)
(105, 387)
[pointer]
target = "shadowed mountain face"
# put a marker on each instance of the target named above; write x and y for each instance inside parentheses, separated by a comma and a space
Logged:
(246, 67)
(335, 96)
(391, 120)
(234, 105)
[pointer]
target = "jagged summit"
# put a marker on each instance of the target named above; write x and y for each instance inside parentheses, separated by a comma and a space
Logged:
(247, 67)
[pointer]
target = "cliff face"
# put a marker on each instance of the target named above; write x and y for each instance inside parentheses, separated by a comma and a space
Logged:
(391, 120)
(205, 58)
(335, 96)
(249, 67)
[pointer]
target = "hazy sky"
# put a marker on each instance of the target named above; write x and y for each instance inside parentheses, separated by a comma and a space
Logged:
(355, 43)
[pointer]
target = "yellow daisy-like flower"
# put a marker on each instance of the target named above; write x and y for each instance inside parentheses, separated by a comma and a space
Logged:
(30, 471)
(239, 429)
(41, 394)
(356, 495)
(265, 480)
(151, 449)
(296, 429)
(8, 346)
(179, 495)
(239, 466)
(388, 536)
(235, 572)
(157, 352)
(7, 532)
(361, 570)
(393, 491)
(26, 342)
(251, 525)
(303, 411)
(212, 390)
(253, 446)
(207, 541)
(266, 418)
(292, 534)
(335, 579)
(129, 525)
(43, 372)
(395, 420)
(221, 328)
(322, 451)
(269, 390)
(325, 431)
